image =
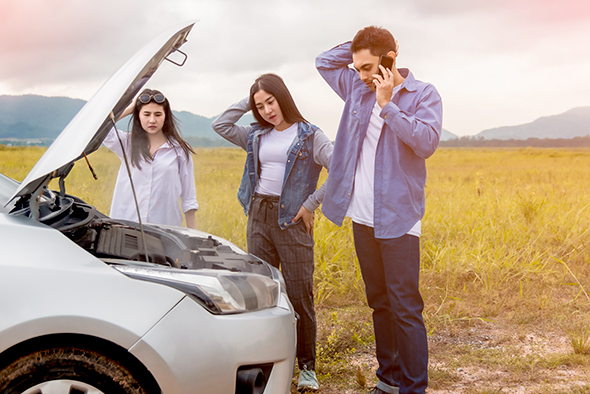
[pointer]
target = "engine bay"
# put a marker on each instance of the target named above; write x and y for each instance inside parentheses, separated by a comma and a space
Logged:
(108, 238)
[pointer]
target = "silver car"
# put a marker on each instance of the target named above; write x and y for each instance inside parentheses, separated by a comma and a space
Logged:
(89, 304)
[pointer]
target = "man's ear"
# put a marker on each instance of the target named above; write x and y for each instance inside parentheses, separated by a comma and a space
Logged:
(393, 55)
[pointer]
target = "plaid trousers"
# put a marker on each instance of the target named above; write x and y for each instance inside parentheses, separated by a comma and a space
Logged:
(291, 250)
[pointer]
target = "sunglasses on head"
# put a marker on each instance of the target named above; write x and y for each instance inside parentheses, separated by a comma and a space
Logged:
(146, 98)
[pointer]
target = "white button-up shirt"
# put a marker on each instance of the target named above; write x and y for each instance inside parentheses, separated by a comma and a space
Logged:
(159, 185)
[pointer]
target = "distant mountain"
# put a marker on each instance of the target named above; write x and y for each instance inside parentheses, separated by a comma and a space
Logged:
(194, 125)
(447, 135)
(40, 117)
(570, 124)
(32, 116)
(474, 142)
(200, 126)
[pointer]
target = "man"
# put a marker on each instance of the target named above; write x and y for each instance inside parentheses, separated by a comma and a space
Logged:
(391, 123)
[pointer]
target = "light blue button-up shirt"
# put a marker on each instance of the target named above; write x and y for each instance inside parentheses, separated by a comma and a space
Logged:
(411, 132)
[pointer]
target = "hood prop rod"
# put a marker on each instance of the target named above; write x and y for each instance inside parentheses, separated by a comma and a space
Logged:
(145, 249)
(35, 200)
(90, 167)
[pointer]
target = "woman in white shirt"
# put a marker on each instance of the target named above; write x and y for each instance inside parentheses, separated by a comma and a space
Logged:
(285, 155)
(160, 163)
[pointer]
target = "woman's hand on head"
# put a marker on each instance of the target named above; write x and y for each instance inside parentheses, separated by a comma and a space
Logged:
(129, 110)
(307, 218)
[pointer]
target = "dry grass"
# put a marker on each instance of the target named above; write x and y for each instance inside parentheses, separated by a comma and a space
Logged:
(505, 274)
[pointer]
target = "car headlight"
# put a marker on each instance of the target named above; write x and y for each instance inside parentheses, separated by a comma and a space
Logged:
(284, 301)
(220, 292)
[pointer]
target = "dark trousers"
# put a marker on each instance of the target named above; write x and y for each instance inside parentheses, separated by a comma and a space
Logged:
(291, 250)
(390, 269)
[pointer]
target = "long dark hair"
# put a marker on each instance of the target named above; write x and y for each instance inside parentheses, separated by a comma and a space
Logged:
(140, 145)
(273, 84)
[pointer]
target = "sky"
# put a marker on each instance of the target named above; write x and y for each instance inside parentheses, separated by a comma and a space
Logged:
(494, 63)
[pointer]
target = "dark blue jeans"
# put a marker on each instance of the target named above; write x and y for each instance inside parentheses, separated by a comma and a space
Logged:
(390, 269)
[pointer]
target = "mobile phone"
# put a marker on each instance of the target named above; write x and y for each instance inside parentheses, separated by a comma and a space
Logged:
(385, 61)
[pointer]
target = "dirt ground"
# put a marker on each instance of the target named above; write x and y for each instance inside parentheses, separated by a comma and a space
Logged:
(527, 374)
(486, 360)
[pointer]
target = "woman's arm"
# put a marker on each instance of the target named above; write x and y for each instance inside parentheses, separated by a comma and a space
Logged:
(225, 124)
(188, 196)
(191, 222)
(129, 110)
(111, 141)
(322, 154)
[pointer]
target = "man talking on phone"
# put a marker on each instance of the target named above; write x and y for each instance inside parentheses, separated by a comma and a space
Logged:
(390, 124)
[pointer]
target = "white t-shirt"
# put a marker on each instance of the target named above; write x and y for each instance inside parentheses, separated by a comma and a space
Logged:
(272, 155)
(362, 202)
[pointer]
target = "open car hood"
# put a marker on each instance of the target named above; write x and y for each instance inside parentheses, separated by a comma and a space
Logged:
(85, 133)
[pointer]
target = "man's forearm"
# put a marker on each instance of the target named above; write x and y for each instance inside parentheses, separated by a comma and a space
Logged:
(333, 67)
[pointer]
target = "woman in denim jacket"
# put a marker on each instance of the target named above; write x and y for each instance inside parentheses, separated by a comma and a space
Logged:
(285, 155)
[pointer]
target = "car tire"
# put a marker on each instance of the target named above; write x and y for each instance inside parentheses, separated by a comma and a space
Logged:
(70, 370)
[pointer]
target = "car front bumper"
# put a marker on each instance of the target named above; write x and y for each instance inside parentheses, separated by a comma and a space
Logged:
(213, 347)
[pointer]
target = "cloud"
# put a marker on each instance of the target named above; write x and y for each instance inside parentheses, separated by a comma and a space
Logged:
(495, 63)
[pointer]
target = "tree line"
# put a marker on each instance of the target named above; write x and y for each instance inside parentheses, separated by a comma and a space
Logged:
(480, 142)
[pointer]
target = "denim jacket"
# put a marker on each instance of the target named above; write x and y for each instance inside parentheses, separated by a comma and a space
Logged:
(310, 151)
(410, 134)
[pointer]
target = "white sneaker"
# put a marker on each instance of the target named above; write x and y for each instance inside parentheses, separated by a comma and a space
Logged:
(307, 380)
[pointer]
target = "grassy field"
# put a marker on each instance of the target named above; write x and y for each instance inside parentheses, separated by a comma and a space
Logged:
(505, 266)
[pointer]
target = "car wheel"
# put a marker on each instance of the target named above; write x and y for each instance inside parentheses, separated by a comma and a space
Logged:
(67, 370)
(63, 387)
